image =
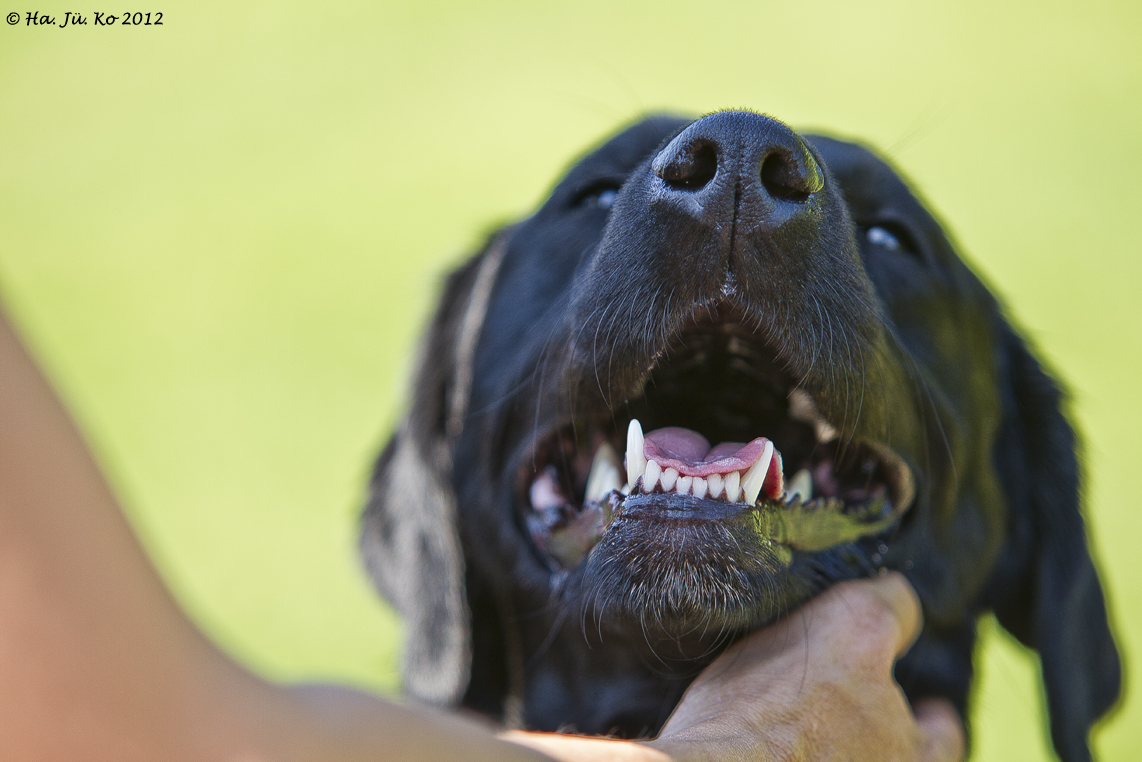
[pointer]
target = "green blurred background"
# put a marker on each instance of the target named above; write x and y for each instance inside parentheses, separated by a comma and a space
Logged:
(221, 236)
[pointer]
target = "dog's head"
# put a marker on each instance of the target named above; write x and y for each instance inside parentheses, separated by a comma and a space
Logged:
(722, 367)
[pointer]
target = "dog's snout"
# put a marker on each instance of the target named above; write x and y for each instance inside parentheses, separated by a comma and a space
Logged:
(741, 164)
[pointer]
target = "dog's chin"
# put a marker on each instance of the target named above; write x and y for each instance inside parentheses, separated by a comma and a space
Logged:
(670, 567)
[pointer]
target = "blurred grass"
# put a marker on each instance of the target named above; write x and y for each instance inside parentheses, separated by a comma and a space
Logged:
(221, 235)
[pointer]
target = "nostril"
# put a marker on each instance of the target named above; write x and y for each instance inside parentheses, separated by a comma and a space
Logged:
(691, 167)
(791, 176)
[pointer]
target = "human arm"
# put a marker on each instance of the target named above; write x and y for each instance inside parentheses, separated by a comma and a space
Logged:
(97, 662)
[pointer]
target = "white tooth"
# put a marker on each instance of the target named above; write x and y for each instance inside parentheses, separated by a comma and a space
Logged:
(669, 478)
(755, 476)
(715, 481)
(605, 473)
(636, 460)
(650, 476)
(682, 487)
(802, 408)
(626, 489)
(801, 484)
(699, 487)
(733, 486)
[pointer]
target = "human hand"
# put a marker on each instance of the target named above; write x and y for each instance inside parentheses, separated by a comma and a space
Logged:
(818, 685)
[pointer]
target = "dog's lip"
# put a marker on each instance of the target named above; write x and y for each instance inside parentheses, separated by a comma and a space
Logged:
(658, 506)
(810, 527)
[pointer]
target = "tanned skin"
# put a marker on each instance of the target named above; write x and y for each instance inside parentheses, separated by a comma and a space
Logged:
(97, 662)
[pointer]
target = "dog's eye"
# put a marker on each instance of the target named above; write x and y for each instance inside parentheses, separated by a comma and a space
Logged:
(892, 238)
(598, 196)
(606, 199)
(879, 236)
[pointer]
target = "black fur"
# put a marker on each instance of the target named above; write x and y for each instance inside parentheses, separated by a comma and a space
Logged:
(733, 218)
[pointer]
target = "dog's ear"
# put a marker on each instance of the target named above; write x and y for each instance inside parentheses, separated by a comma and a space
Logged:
(1046, 591)
(410, 537)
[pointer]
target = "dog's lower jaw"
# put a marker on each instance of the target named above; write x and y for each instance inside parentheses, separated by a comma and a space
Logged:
(666, 581)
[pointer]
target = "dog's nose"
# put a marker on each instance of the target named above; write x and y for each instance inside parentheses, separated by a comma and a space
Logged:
(736, 165)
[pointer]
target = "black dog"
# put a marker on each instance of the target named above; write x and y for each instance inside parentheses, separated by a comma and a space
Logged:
(809, 386)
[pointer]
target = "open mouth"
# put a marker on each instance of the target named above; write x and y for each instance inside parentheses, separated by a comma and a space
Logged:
(721, 430)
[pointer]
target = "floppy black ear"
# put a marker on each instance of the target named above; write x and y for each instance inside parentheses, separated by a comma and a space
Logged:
(410, 538)
(1046, 589)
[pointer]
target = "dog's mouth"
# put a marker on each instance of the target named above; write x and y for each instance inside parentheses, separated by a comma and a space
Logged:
(721, 431)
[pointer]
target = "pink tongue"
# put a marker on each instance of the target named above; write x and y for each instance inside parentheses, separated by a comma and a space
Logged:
(690, 453)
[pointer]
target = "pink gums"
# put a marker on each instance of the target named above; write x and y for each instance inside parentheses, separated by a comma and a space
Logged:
(690, 454)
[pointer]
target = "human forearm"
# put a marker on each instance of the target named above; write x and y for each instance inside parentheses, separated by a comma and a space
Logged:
(99, 663)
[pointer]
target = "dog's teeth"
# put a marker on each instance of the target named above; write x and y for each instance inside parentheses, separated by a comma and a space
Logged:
(682, 487)
(636, 459)
(801, 484)
(606, 473)
(699, 487)
(650, 476)
(755, 476)
(733, 486)
(669, 479)
(802, 408)
(715, 482)
(825, 432)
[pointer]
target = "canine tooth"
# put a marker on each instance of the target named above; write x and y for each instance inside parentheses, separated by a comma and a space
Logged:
(801, 484)
(755, 476)
(669, 479)
(715, 481)
(650, 476)
(733, 486)
(682, 487)
(636, 459)
(699, 487)
(825, 432)
(605, 473)
(802, 408)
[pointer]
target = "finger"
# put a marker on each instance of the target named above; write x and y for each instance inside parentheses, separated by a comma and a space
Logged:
(942, 731)
(569, 748)
(897, 594)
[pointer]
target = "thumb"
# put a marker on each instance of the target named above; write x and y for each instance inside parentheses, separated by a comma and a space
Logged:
(942, 731)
